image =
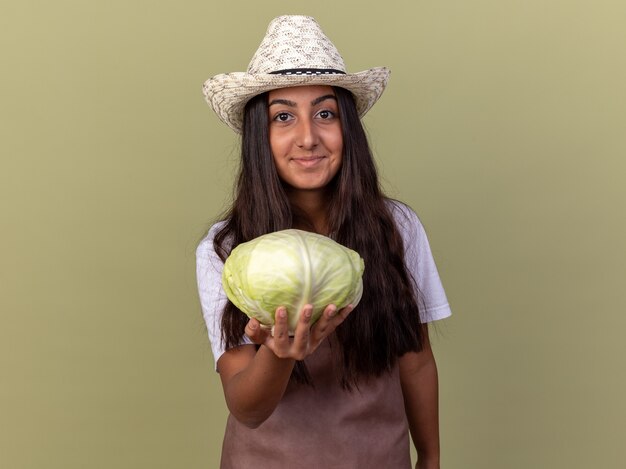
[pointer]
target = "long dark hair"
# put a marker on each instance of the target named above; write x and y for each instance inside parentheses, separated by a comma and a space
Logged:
(386, 323)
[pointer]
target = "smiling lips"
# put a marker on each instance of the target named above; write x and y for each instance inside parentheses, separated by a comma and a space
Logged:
(307, 161)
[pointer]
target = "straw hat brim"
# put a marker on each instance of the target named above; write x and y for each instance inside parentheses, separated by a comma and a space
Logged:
(228, 93)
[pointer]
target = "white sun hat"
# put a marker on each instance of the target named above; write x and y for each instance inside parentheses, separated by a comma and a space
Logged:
(294, 52)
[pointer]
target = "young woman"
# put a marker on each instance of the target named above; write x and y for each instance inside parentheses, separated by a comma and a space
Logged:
(346, 391)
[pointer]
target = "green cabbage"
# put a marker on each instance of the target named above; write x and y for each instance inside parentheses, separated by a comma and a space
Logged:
(292, 268)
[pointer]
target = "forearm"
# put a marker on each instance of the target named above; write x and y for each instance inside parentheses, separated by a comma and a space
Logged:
(420, 389)
(254, 381)
(253, 392)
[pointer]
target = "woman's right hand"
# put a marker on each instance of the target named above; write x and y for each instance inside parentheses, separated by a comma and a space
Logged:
(306, 338)
(254, 381)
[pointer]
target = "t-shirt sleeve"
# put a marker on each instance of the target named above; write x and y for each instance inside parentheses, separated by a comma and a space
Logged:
(213, 299)
(421, 265)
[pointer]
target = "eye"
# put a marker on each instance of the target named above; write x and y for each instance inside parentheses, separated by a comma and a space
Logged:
(282, 117)
(326, 114)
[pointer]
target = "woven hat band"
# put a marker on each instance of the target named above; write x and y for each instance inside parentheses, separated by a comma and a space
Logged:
(308, 71)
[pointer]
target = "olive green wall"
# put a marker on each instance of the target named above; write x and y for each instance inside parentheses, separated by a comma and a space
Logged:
(503, 126)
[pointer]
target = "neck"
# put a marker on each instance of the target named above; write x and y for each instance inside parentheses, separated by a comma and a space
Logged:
(311, 209)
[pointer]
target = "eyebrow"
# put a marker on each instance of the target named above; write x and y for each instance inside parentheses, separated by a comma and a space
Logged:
(323, 98)
(289, 103)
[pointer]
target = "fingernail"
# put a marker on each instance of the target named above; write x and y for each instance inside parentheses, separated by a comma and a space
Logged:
(252, 325)
(308, 313)
(282, 313)
(332, 313)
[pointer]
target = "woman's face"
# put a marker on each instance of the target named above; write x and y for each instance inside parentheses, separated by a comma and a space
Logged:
(305, 135)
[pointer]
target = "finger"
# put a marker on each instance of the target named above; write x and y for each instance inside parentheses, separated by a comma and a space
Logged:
(280, 332)
(256, 332)
(331, 318)
(300, 344)
(321, 328)
(343, 314)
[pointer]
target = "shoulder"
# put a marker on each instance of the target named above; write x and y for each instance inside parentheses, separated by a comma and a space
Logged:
(205, 249)
(407, 221)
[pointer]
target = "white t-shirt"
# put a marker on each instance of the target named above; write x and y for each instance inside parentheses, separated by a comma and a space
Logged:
(418, 259)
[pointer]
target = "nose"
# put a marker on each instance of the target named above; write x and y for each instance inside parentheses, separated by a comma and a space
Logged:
(307, 137)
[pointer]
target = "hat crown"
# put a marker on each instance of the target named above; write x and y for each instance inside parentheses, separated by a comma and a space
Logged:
(295, 42)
